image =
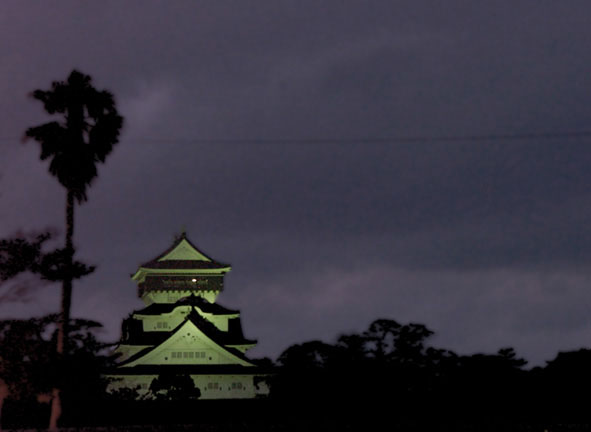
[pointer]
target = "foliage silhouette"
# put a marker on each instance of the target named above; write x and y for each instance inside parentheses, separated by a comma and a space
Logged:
(387, 374)
(176, 387)
(88, 131)
(19, 254)
(390, 367)
(30, 368)
(561, 386)
(125, 393)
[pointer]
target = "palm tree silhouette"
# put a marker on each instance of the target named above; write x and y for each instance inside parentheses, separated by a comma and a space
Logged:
(89, 128)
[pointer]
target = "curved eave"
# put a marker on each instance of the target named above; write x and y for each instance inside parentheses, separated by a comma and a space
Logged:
(191, 369)
(168, 314)
(142, 272)
(247, 346)
(204, 307)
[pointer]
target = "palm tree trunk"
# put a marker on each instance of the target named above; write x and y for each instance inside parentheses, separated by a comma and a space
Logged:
(56, 409)
(64, 318)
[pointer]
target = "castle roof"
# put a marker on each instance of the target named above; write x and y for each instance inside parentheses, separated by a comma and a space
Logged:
(233, 336)
(182, 257)
(192, 300)
(224, 340)
(222, 369)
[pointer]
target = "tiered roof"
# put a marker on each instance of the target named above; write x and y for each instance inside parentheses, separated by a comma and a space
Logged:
(182, 257)
(234, 335)
(225, 340)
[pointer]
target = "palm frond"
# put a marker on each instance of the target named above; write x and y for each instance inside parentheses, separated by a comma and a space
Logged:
(87, 113)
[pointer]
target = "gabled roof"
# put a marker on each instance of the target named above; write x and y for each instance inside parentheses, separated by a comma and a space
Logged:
(182, 255)
(182, 250)
(233, 336)
(205, 328)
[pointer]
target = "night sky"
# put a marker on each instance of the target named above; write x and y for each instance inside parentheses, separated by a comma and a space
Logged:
(270, 131)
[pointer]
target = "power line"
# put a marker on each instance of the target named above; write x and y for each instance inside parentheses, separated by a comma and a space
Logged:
(380, 140)
(365, 140)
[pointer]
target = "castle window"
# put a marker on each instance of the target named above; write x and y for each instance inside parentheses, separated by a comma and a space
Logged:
(161, 324)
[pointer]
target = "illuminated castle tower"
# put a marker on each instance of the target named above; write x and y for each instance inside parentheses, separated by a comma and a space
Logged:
(182, 331)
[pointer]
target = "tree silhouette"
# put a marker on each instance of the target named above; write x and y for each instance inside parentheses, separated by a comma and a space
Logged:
(89, 128)
(22, 349)
(169, 386)
(19, 254)
(23, 253)
(303, 366)
(29, 368)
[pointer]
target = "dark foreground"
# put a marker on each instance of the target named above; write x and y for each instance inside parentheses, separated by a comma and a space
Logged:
(280, 427)
(268, 415)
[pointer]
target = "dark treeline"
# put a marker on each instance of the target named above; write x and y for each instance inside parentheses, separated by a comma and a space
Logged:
(387, 374)
(390, 374)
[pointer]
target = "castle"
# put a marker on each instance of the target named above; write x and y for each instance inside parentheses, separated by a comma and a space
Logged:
(182, 331)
